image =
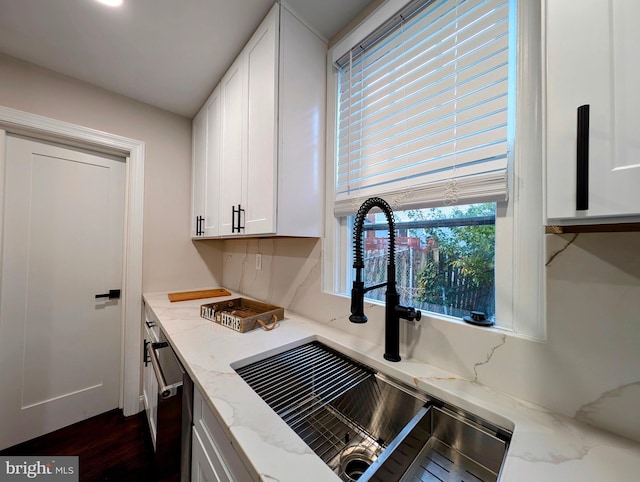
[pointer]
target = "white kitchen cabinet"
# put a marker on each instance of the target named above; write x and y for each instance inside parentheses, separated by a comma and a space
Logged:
(206, 168)
(213, 455)
(203, 469)
(149, 381)
(198, 170)
(248, 159)
(590, 47)
(260, 182)
(270, 179)
(233, 119)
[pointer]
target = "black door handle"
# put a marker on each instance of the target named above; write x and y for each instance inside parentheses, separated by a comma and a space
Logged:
(582, 158)
(112, 295)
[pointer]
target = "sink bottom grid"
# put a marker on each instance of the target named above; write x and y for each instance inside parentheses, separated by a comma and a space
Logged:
(330, 436)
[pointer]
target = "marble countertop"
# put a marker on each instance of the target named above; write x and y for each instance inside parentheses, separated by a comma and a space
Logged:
(545, 446)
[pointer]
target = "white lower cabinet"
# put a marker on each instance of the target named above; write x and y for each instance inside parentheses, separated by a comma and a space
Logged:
(150, 383)
(203, 468)
(213, 456)
(150, 392)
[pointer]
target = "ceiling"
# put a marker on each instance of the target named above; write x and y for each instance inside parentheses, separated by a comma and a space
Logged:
(167, 53)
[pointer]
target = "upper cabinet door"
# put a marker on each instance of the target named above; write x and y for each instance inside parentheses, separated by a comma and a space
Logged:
(198, 171)
(233, 152)
(590, 50)
(212, 175)
(206, 168)
(261, 174)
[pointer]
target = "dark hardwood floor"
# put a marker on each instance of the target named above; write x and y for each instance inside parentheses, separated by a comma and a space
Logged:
(110, 447)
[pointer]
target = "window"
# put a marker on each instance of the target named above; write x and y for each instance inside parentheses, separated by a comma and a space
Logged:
(426, 101)
(444, 258)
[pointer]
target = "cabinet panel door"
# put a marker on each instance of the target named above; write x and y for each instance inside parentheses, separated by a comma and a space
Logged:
(215, 441)
(301, 129)
(149, 381)
(260, 179)
(588, 62)
(212, 174)
(150, 390)
(150, 397)
(203, 469)
(624, 41)
(232, 156)
(198, 169)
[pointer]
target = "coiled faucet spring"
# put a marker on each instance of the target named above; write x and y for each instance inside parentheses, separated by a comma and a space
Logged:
(393, 310)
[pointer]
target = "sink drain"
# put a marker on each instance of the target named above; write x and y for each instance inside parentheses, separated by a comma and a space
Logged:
(355, 461)
(356, 468)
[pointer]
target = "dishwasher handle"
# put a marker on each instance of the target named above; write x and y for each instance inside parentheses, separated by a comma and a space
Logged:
(164, 390)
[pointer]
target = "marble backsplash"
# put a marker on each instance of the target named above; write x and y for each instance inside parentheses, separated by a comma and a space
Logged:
(588, 368)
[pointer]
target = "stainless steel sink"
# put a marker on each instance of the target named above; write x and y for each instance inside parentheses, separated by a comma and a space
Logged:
(440, 445)
(366, 426)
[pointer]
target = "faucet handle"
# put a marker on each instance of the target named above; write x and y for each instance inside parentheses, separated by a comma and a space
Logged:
(408, 313)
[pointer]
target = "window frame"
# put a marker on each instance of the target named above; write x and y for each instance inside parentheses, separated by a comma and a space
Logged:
(520, 280)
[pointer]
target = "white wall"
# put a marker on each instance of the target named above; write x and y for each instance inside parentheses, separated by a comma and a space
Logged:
(588, 368)
(170, 260)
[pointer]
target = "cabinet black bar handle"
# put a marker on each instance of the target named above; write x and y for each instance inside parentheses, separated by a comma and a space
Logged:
(199, 223)
(240, 210)
(145, 355)
(233, 219)
(582, 157)
(235, 228)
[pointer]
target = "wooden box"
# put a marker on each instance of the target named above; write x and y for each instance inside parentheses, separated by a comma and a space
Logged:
(242, 314)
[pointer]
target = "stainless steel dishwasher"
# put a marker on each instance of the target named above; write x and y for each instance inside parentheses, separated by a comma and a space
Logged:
(171, 409)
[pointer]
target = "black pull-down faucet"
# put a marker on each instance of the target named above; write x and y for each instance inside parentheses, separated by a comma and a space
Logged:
(393, 310)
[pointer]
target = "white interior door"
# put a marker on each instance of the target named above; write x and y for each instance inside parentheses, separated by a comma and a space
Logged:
(62, 243)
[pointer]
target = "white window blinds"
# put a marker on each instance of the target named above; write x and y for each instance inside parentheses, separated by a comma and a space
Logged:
(422, 108)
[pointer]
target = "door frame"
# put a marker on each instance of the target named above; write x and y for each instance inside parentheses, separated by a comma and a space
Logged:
(44, 128)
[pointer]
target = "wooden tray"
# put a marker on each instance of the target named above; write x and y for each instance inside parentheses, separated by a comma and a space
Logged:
(197, 295)
(242, 314)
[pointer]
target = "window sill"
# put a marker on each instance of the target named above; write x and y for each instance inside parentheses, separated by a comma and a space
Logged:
(437, 317)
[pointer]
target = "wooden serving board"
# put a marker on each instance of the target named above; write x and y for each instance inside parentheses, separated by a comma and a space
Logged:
(196, 295)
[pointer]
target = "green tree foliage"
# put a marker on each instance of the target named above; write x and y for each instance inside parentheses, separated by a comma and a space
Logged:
(459, 275)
